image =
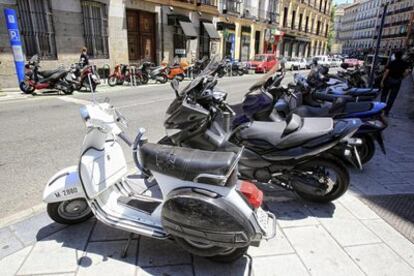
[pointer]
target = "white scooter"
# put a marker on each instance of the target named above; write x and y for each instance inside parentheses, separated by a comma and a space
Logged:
(191, 196)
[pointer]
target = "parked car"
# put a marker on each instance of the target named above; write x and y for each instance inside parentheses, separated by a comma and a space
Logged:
(309, 62)
(323, 60)
(298, 63)
(335, 62)
(352, 62)
(263, 63)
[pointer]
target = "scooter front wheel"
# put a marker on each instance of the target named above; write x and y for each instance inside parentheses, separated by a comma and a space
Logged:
(26, 88)
(367, 149)
(69, 212)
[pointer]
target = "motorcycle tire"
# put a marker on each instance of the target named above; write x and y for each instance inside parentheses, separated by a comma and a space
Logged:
(241, 72)
(340, 186)
(179, 77)
(234, 73)
(57, 212)
(87, 86)
(163, 79)
(112, 81)
(25, 88)
(214, 253)
(144, 79)
(367, 149)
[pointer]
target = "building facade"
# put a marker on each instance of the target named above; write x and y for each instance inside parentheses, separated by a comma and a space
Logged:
(305, 24)
(348, 27)
(397, 21)
(129, 31)
(337, 40)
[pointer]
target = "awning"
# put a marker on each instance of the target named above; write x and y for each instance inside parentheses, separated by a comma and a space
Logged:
(188, 29)
(212, 32)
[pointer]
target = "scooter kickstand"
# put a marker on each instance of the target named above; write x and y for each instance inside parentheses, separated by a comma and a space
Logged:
(125, 248)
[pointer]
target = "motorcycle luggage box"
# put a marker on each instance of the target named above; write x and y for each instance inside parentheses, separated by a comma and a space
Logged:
(202, 216)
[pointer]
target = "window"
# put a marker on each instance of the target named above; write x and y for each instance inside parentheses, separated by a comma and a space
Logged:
(36, 25)
(95, 24)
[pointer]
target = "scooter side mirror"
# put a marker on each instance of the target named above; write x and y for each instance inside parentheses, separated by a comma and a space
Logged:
(174, 85)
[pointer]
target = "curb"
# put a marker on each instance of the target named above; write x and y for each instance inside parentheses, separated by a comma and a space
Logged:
(22, 215)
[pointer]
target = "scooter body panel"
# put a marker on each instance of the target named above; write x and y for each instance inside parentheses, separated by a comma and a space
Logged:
(64, 185)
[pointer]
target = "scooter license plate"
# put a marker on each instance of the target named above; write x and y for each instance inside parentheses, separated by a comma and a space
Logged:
(265, 221)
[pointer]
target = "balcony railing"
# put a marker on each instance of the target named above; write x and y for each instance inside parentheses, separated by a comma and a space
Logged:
(213, 3)
(231, 6)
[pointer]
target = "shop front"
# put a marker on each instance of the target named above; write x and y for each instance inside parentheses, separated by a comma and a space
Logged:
(245, 43)
(183, 31)
(208, 39)
(229, 39)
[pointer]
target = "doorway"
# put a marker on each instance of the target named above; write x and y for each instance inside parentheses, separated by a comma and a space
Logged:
(141, 35)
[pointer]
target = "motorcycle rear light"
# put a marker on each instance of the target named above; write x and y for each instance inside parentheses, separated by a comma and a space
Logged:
(253, 194)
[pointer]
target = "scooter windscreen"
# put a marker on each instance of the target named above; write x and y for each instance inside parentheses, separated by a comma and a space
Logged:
(262, 81)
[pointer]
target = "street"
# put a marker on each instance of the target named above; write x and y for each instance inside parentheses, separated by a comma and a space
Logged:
(43, 134)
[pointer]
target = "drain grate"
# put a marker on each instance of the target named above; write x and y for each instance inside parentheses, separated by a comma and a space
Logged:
(397, 210)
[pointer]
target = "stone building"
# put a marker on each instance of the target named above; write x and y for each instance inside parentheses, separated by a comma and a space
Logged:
(305, 24)
(365, 25)
(128, 31)
(348, 27)
(337, 31)
(397, 20)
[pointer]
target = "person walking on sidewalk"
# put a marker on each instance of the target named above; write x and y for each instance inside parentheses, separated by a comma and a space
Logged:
(394, 73)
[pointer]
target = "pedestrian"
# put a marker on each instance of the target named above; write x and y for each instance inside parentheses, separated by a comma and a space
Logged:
(394, 73)
(84, 58)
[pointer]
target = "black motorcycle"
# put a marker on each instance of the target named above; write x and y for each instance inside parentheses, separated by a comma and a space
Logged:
(293, 154)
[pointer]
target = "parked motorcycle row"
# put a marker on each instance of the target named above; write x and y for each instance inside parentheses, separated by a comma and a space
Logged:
(197, 185)
(62, 80)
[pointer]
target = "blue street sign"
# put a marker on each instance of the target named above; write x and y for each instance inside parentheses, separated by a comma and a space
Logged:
(15, 42)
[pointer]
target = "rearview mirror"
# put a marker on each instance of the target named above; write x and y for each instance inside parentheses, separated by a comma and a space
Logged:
(175, 84)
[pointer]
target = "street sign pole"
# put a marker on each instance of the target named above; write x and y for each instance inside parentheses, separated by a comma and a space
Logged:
(15, 42)
(374, 62)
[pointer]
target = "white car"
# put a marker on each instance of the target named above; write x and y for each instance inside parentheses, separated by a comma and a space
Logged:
(299, 63)
(295, 64)
(323, 60)
(335, 62)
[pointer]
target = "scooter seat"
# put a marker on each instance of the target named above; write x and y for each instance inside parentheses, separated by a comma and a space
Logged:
(189, 164)
(48, 73)
(357, 107)
(282, 136)
(312, 111)
(362, 91)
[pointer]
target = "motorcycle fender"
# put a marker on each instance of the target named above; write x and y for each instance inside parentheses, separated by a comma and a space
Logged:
(380, 140)
(64, 185)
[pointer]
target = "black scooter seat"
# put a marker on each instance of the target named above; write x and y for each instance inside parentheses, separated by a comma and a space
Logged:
(189, 164)
(48, 73)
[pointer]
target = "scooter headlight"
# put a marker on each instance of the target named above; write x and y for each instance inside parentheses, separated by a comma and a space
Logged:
(84, 114)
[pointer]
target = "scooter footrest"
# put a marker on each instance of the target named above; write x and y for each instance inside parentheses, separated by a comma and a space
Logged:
(138, 204)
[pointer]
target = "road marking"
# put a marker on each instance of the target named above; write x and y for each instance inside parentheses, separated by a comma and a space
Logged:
(75, 100)
(144, 103)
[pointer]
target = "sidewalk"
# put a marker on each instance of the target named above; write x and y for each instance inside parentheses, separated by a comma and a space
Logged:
(345, 237)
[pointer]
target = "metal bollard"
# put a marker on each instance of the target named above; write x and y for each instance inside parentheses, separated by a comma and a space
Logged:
(132, 75)
(106, 76)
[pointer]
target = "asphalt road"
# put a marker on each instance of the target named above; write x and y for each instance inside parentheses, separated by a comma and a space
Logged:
(43, 134)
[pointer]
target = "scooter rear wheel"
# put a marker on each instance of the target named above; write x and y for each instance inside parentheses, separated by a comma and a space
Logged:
(70, 211)
(313, 169)
(214, 253)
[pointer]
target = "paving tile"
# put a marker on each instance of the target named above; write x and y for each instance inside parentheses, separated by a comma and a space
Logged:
(357, 207)
(393, 239)
(292, 213)
(10, 264)
(278, 265)
(373, 189)
(36, 228)
(154, 252)
(179, 270)
(379, 259)
(102, 232)
(401, 188)
(205, 267)
(8, 242)
(104, 258)
(63, 247)
(275, 246)
(407, 176)
(319, 251)
(344, 227)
